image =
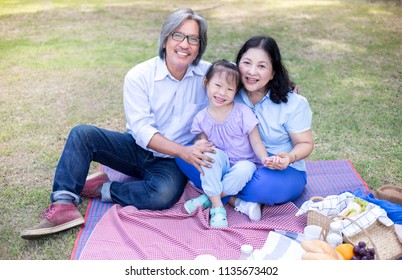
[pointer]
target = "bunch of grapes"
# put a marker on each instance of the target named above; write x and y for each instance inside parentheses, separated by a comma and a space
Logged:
(361, 252)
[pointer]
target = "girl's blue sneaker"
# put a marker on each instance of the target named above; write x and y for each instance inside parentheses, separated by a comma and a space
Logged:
(201, 201)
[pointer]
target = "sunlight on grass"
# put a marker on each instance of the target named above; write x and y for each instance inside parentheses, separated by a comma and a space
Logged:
(356, 82)
(17, 7)
(328, 45)
(8, 7)
(379, 11)
(298, 3)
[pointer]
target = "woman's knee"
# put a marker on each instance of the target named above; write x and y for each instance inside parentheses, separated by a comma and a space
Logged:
(273, 186)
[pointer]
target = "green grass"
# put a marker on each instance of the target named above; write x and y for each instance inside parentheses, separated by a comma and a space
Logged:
(62, 63)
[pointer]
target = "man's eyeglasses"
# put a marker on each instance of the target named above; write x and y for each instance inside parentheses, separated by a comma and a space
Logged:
(179, 37)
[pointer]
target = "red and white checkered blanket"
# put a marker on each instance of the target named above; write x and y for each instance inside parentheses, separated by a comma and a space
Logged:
(115, 232)
(129, 233)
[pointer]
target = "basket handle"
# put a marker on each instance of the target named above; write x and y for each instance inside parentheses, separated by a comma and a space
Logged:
(317, 197)
(376, 255)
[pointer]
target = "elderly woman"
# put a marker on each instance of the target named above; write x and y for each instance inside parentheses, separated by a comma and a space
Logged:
(285, 128)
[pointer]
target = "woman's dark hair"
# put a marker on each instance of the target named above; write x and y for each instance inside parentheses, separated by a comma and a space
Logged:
(229, 68)
(280, 85)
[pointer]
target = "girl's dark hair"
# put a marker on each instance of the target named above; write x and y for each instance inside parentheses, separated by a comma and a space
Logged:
(231, 70)
(280, 85)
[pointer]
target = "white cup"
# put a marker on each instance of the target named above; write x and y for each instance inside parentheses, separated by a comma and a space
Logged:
(312, 232)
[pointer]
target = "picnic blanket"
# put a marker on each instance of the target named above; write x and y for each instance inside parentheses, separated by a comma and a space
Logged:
(115, 232)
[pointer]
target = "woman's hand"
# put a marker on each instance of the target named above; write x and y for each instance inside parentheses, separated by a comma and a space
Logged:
(278, 162)
(303, 145)
(195, 154)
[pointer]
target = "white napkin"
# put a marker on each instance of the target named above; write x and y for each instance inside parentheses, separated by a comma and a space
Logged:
(334, 204)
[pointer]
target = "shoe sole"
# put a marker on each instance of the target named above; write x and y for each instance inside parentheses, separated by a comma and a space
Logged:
(38, 233)
(187, 209)
(251, 213)
(258, 209)
(97, 178)
(222, 225)
(220, 219)
(99, 173)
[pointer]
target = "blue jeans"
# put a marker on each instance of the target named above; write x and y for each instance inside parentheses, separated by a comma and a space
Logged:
(160, 183)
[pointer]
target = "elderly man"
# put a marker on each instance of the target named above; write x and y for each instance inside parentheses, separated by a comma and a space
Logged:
(161, 97)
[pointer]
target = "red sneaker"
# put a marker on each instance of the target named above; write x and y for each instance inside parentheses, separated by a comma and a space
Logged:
(56, 218)
(93, 184)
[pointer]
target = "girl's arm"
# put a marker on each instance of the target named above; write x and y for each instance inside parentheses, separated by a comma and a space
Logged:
(258, 146)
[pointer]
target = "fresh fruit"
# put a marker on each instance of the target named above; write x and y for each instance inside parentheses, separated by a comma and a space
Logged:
(362, 244)
(346, 250)
(362, 252)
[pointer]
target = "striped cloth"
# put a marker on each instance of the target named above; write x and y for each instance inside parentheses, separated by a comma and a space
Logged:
(280, 245)
(109, 226)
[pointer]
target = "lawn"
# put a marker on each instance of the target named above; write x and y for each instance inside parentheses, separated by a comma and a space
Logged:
(62, 63)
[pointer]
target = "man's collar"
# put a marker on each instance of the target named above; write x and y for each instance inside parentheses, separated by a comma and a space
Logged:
(162, 70)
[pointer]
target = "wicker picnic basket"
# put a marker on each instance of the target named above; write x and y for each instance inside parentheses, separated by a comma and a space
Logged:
(382, 238)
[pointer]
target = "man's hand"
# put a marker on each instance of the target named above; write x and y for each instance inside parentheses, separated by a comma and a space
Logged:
(195, 154)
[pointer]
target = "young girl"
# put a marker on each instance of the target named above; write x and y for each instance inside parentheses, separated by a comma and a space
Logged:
(232, 128)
